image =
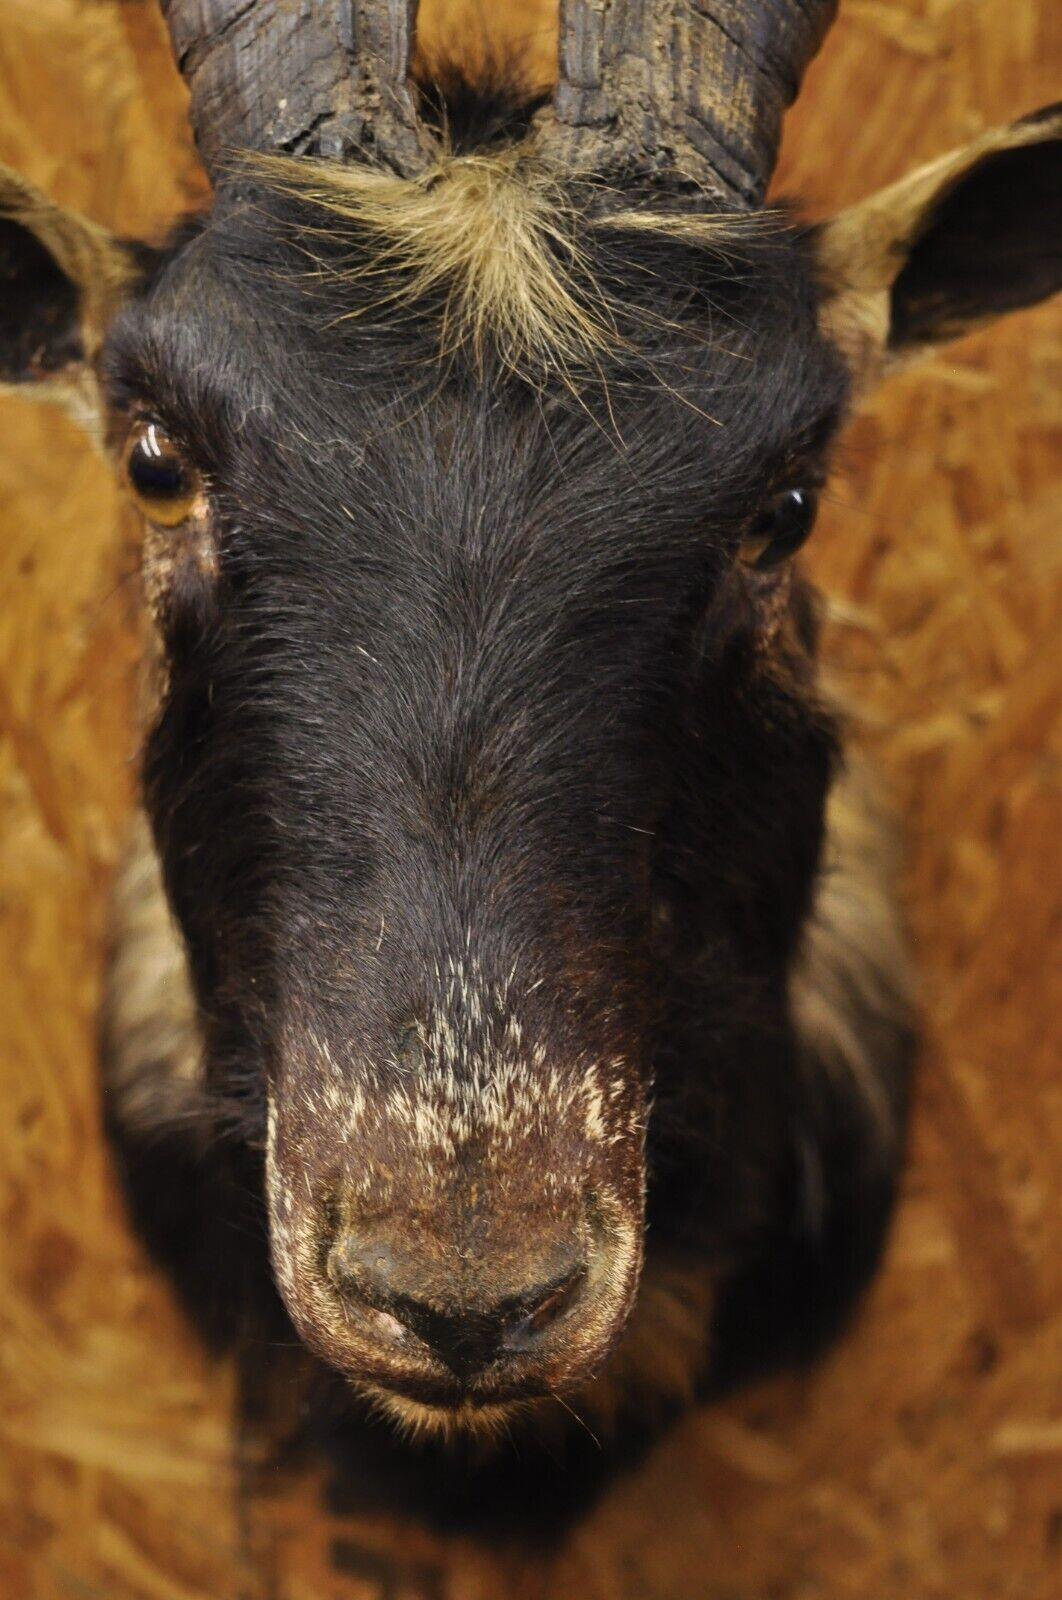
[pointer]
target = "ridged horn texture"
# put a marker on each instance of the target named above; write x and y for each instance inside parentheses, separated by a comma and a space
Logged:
(303, 77)
(689, 94)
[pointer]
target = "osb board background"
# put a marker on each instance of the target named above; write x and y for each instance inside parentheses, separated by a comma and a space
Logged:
(924, 1459)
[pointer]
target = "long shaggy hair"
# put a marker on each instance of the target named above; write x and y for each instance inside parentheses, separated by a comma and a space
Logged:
(498, 237)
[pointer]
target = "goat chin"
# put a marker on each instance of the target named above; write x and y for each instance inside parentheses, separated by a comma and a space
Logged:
(416, 1421)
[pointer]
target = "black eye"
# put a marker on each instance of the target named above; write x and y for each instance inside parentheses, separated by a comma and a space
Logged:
(165, 484)
(780, 529)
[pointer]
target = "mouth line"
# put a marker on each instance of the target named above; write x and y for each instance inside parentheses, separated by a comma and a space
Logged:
(443, 1389)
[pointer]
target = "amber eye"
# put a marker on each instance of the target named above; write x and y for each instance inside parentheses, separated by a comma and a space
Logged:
(165, 484)
(780, 529)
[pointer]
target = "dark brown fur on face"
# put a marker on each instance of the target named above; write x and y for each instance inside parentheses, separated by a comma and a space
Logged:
(542, 865)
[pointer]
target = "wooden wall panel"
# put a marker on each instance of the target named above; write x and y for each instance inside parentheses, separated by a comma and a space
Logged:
(924, 1459)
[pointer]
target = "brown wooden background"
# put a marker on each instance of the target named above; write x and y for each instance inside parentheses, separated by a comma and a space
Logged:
(925, 1458)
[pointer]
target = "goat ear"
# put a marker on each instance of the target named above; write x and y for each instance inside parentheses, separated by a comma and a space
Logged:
(957, 243)
(61, 280)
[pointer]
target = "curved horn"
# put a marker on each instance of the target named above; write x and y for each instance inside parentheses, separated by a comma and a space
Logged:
(305, 77)
(688, 93)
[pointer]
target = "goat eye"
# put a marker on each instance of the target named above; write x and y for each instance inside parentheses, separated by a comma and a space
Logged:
(781, 529)
(165, 485)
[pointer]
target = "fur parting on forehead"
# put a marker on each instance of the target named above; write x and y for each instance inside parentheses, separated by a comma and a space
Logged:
(497, 236)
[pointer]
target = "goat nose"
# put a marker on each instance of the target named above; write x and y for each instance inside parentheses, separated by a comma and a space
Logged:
(467, 1330)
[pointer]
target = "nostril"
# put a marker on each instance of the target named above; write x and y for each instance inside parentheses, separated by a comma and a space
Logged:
(524, 1332)
(394, 1296)
(362, 1272)
(361, 1266)
(388, 1327)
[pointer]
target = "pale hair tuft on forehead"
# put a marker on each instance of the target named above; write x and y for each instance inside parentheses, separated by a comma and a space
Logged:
(497, 238)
